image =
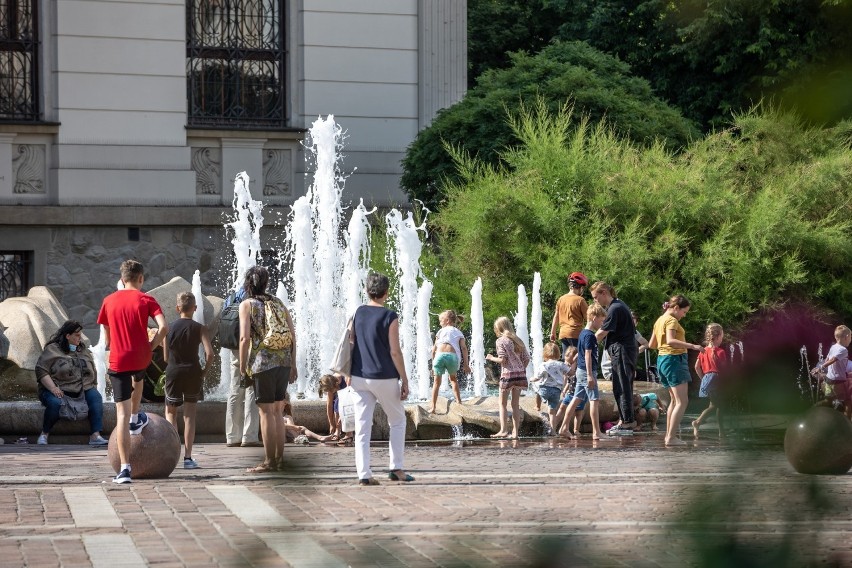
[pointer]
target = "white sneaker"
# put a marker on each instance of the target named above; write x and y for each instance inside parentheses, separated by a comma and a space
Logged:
(42, 440)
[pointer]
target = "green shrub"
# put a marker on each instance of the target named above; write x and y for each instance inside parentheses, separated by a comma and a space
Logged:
(747, 218)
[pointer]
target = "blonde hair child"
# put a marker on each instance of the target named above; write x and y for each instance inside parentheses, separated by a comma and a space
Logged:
(550, 378)
(513, 357)
(710, 362)
(449, 354)
(329, 385)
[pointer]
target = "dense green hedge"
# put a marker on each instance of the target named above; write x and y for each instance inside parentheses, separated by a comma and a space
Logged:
(750, 217)
(597, 84)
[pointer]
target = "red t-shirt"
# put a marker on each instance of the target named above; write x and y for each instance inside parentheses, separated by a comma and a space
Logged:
(126, 314)
(709, 363)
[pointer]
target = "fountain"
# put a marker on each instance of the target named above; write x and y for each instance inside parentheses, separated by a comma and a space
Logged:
(536, 333)
(477, 339)
(424, 340)
(521, 329)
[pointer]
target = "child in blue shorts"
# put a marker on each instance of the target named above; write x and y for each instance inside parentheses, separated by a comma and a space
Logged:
(587, 363)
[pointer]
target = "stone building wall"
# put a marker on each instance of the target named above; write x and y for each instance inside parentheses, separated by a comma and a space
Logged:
(83, 263)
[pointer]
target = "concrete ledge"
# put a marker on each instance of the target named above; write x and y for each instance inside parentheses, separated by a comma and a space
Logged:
(480, 415)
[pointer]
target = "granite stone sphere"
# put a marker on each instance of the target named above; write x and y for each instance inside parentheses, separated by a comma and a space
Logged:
(820, 442)
(153, 454)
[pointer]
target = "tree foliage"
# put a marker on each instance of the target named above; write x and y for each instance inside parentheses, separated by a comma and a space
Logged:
(748, 218)
(596, 84)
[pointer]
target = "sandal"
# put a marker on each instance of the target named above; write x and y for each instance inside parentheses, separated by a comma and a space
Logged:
(334, 438)
(345, 441)
(261, 468)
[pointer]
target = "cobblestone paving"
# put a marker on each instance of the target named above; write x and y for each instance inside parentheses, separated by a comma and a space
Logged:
(530, 503)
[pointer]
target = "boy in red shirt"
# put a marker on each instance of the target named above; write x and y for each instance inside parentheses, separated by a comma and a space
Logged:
(124, 315)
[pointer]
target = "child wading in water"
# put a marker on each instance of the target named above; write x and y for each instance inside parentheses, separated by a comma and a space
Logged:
(587, 369)
(673, 362)
(711, 361)
(513, 357)
(184, 375)
(551, 377)
(449, 354)
(567, 394)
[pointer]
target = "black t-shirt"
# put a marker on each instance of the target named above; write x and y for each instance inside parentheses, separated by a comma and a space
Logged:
(184, 339)
(371, 357)
(619, 324)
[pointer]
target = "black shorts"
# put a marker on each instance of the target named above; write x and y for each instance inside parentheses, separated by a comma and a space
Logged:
(271, 385)
(122, 383)
(183, 385)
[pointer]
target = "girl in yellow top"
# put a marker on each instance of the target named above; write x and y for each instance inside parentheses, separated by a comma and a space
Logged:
(669, 338)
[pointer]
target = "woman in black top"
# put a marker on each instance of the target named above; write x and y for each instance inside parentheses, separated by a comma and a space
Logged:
(378, 375)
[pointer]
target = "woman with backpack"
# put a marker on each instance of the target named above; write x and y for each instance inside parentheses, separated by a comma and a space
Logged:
(268, 358)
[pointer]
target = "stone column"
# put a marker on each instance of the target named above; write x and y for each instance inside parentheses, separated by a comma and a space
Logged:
(242, 155)
(7, 180)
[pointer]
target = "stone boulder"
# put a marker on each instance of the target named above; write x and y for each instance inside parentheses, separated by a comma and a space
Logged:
(29, 323)
(166, 296)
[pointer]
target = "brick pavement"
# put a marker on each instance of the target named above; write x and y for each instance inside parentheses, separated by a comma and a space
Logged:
(544, 503)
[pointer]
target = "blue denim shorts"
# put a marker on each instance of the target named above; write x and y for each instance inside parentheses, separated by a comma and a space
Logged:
(550, 395)
(582, 390)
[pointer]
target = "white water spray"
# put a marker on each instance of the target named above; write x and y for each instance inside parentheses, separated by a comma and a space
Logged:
(246, 226)
(536, 333)
(404, 257)
(477, 340)
(521, 329)
(356, 262)
(424, 340)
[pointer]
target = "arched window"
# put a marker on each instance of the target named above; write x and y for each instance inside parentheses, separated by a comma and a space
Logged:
(235, 63)
(19, 94)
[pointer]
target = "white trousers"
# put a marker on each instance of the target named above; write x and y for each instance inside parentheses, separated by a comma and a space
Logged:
(242, 418)
(367, 393)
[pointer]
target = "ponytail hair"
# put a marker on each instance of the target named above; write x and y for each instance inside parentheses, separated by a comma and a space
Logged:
(452, 317)
(713, 331)
(678, 301)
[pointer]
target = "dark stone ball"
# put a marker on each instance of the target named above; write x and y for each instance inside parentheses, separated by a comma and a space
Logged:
(820, 442)
(153, 454)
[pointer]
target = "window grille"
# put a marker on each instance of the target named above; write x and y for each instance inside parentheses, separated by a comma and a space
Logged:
(19, 86)
(15, 270)
(235, 63)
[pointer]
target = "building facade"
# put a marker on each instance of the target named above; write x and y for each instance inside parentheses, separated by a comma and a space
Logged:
(124, 122)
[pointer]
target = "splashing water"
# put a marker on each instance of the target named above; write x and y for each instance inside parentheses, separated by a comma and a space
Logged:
(424, 340)
(246, 224)
(521, 329)
(99, 354)
(536, 334)
(477, 340)
(404, 256)
(328, 270)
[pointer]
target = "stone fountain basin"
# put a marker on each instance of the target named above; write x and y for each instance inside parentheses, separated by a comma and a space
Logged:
(479, 415)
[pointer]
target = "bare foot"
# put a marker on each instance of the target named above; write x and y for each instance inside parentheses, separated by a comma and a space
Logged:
(695, 425)
(653, 428)
(675, 442)
(566, 434)
(431, 410)
(500, 434)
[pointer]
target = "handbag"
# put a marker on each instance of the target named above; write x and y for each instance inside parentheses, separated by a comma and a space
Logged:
(342, 361)
(346, 409)
(74, 407)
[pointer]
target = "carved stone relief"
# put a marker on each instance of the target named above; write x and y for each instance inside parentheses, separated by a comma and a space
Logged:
(207, 165)
(276, 172)
(28, 168)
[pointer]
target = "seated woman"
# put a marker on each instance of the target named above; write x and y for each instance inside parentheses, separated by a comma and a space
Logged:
(65, 368)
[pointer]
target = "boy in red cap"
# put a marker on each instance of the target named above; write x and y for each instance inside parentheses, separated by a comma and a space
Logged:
(570, 315)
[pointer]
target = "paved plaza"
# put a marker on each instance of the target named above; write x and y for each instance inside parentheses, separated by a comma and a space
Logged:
(538, 502)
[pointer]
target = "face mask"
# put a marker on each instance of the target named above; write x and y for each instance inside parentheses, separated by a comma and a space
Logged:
(72, 347)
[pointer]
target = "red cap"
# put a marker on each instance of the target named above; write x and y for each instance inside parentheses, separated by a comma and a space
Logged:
(579, 278)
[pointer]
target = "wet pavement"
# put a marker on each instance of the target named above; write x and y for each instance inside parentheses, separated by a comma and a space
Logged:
(531, 502)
